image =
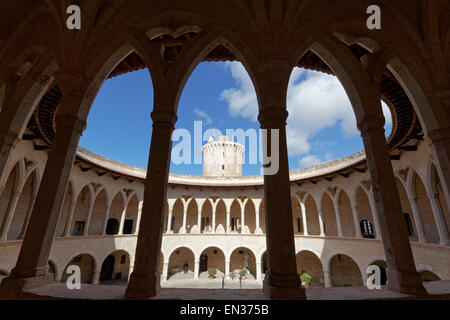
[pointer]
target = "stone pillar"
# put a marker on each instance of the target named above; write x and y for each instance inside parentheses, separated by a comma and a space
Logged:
(282, 281)
(401, 270)
(258, 271)
(227, 267)
(96, 277)
(418, 220)
(69, 218)
(169, 221)
(8, 143)
(183, 228)
(228, 221)
(439, 219)
(304, 222)
(122, 219)
(327, 278)
(338, 219)
(89, 215)
(32, 263)
(439, 143)
(257, 228)
(138, 222)
(242, 219)
(355, 221)
(145, 279)
(321, 224)
(105, 218)
(196, 268)
(9, 216)
(214, 207)
(199, 220)
(27, 216)
(165, 271)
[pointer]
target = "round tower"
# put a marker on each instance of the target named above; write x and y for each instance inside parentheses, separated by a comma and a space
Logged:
(222, 158)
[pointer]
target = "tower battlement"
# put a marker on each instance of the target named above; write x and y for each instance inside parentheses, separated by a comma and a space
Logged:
(222, 158)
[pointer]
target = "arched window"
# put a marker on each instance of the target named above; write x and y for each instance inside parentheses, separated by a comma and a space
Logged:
(366, 229)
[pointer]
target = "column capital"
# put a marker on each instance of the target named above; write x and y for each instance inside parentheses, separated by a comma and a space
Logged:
(161, 117)
(370, 123)
(273, 116)
(69, 121)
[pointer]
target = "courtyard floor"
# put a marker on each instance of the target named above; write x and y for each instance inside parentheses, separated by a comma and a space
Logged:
(210, 290)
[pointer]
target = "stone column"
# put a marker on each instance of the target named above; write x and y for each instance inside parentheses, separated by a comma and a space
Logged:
(258, 271)
(196, 268)
(327, 278)
(69, 218)
(257, 228)
(227, 267)
(122, 220)
(199, 220)
(169, 221)
(105, 218)
(282, 281)
(418, 220)
(321, 224)
(439, 143)
(89, 215)
(183, 228)
(27, 216)
(96, 277)
(355, 221)
(401, 270)
(214, 207)
(8, 143)
(242, 219)
(439, 219)
(338, 219)
(9, 215)
(138, 222)
(304, 222)
(145, 279)
(165, 271)
(32, 263)
(228, 221)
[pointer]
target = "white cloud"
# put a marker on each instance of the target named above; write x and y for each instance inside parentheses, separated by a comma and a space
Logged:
(202, 114)
(315, 101)
(309, 161)
(241, 101)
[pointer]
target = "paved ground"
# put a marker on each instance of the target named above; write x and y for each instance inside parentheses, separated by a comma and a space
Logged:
(211, 290)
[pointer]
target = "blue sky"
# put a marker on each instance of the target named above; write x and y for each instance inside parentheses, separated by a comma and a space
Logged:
(321, 125)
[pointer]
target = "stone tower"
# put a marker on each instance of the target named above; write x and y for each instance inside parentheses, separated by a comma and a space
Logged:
(222, 158)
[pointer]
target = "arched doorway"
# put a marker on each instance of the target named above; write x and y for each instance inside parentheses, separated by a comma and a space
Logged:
(181, 264)
(212, 257)
(344, 272)
(308, 262)
(243, 258)
(106, 274)
(115, 267)
(87, 267)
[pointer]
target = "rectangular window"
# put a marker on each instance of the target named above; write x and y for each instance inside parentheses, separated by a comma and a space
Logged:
(172, 225)
(128, 226)
(78, 228)
(409, 224)
(299, 225)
